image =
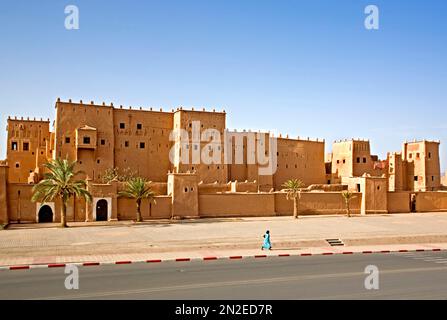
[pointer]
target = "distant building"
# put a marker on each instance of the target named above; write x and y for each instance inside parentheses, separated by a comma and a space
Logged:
(416, 168)
(100, 137)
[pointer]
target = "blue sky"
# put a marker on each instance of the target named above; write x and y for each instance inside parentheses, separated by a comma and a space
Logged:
(306, 68)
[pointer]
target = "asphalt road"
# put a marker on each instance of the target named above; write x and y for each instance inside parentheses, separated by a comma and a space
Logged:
(421, 275)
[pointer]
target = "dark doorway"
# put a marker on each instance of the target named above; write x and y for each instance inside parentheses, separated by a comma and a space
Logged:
(101, 210)
(45, 214)
(413, 202)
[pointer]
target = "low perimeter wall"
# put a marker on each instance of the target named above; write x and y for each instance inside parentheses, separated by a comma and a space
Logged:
(431, 201)
(271, 204)
(161, 209)
(21, 208)
(237, 205)
(399, 202)
(314, 203)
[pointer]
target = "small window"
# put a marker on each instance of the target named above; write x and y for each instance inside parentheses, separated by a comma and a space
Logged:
(142, 145)
(139, 126)
(186, 189)
(410, 155)
(344, 161)
(364, 160)
(378, 187)
(25, 146)
(67, 139)
(98, 161)
(191, 189)
(17, 165)
(415, 178)
(122, 125)
(432, 178)
(195, 147)
(86, 140)
(126, 144)
(429, 155)
(418, 155)
(358, 159)
(338, 161)
(14, 146)
(103, 142)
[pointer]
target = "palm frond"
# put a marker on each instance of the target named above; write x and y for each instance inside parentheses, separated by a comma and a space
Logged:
(347, 195)
(137, 188)
(58, 182)
(293, 188)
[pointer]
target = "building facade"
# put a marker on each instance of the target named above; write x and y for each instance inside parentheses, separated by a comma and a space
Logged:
(155, 143)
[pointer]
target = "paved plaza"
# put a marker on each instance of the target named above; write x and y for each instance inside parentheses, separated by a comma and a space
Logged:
(20, 244)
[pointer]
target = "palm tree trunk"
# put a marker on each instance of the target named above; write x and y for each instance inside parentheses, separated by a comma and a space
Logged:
(139, 211)
(348, 211)
(64, 215)
(295, 208)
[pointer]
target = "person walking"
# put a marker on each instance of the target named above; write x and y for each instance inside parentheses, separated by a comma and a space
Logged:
(267, 244)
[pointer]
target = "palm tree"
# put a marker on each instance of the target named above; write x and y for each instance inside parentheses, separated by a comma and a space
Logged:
(293, 189)
(59, 182)
(347, 196)
(137, 188)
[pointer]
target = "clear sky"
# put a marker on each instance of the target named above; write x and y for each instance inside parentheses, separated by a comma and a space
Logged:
(307, 68)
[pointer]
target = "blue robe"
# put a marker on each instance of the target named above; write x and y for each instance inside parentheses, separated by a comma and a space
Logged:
(267, 245)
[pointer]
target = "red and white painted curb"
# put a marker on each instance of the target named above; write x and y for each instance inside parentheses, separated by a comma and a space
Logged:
(208, 258)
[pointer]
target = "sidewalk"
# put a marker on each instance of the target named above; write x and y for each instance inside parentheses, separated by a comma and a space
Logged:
(125, 241)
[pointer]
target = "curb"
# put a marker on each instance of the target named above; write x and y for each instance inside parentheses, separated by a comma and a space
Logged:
(211, 258)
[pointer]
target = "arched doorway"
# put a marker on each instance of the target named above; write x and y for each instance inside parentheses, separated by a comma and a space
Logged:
(45, 214)
(101, 210)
